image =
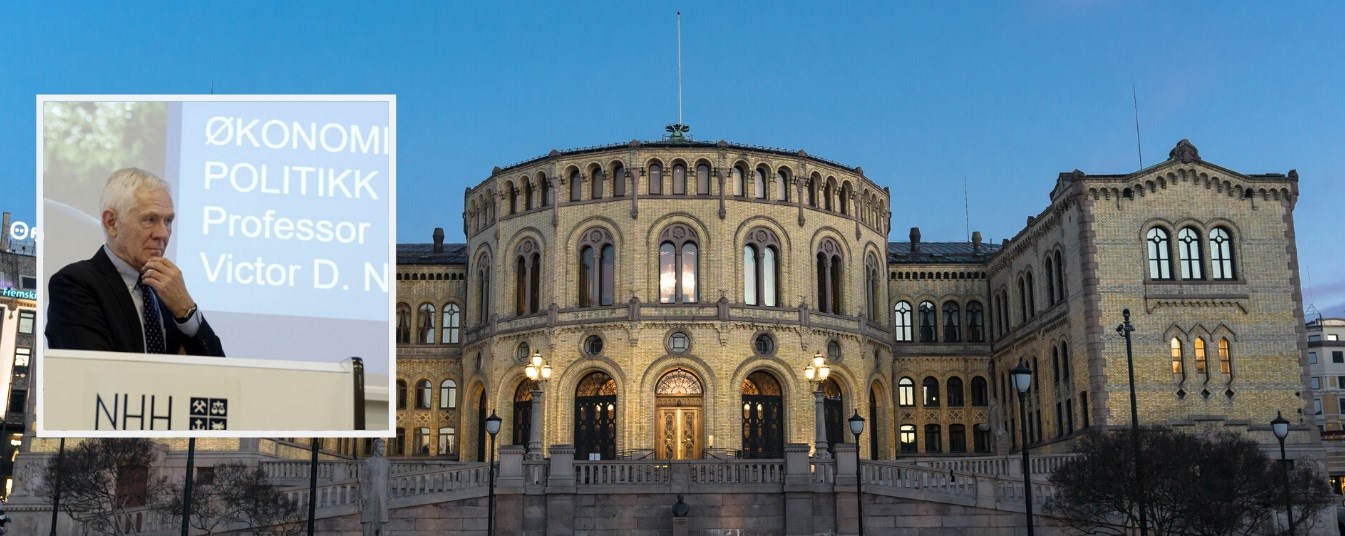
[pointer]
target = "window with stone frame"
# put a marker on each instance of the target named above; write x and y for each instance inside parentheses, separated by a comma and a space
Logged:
(952, 324)
(619, 178)
(933, 439)
(908, 439)
(597, 268)
(872, 287)
(1160, 263)
(975, 322)
(1188, 253)
(679, 179)
(576, 186)
(782, 182)
(1221, 254)
(955, 399)
(527, 277)
(678, 265)
(930, 389)
(595, 183)
(703, 179)
(452, 324)
(655, 179)
(448, 394)
(424, 393)
(830, 282)
(761, 271)
(403, 323)
(928, 328)
(425, 324)
(901, 315)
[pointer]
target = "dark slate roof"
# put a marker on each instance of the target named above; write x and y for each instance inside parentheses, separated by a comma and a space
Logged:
(424, 254)
(940, 253)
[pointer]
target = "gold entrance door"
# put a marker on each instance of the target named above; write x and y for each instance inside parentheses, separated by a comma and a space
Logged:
(679, 433)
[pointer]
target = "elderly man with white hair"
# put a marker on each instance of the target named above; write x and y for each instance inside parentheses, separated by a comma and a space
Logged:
(128, 297)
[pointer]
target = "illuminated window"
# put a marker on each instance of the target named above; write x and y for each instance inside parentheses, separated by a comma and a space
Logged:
(678, 265)
(447, 441)
(1176, 356)
(930, 388)
(908, 445)
(1226, 359)
(1200, 355)
(760, 268)
(906, 392)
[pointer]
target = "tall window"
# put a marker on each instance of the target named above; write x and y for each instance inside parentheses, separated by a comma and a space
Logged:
(955, 399)
(595, 183)
(927, 333)
(527, 277)
(527, 193)
(872, 277)
(957, 438)
(597, 268)
(812, 198)
(845, 198)
(975, 322)
(1188, 253)
(448, 394)
(703, 179)
(901, 314)
(513, 197)
(1160, 267)
(483, 289)
(1031, 295)
(739, 180)
(423, 394)
(1022, 300)
(1176, 356)
(447, 440)
(655, 179)
(829, 277)
(576, 186)
(761, 268)
(1059, 278)
(829, 195)
(401, 394)
(1225, 359)
(1050, 280)
(782, 185)
(423, 441)
(933, 438)
(403, 323)
(1221, 254)
(1200, 355)
(619, 180)
(546, 190)
(452, 325)
(425, 324)
(908, 445)
(906, 392)
(678, 264)
(979, 395)
(679, 179)
(758, 184)
(930, 388)
(952, 326)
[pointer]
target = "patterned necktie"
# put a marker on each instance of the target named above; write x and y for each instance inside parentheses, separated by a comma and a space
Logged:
(153, 329)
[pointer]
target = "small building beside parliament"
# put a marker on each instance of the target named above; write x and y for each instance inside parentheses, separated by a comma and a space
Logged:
(678, 289)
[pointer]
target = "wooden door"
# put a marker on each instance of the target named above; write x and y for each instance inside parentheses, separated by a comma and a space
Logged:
(679, 433)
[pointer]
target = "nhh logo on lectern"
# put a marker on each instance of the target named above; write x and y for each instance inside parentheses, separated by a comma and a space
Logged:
(125, 411)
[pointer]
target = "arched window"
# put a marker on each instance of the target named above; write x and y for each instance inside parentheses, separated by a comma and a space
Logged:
(1022, 300)
(1200, 356)
(782, 185)
(871, 285)
(829, 195)
(703, 179)
(758, 184)
(845, 198)
(597, 268)
(933, 438)
(1059, 278)
(527, 277)
(1031, 295)
(422, 441)
(425, 324)
(975, 322)
(1050, 280)
(952, 327)
(1176, 356)
(738, 178)
(423, 394)
(619, 179)
(655, 179)
(907, 438)
(513, 198)
(403, 323)
(576, 186)
(1160, 265)
(527, 194)
(448, 394)
(452, 325)
(1221, 254)
(1225, 359)
(401, 394)
(957, 438)
(595, 183)
(979, 394)
(1064, 359)
(829, 277)
(901, 315)
(955, 399)
(679, 179)
(483, 289)
(761, 268)
(930, 389)
(927, 325)
(546, 190)
(678, 265)
(906, 392)
(812, 191)
(1188, 253)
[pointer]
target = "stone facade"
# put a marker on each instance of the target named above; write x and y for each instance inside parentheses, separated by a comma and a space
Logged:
(1050, 297)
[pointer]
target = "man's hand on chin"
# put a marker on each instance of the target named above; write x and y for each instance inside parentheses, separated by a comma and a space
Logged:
(166, 280)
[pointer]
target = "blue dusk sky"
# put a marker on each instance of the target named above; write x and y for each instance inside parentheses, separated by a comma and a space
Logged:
(926, 97)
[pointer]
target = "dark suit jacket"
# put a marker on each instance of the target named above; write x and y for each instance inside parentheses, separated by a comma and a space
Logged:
(89, 308)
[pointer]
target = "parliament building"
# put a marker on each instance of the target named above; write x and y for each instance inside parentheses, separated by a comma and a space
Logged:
(678, 290)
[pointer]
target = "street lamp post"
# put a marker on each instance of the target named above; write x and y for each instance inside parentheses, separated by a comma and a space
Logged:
(817, 373)
(1124, 330)
(539, 373)
(492, 428)
(1281, 428)
(1022, 380)
(857, 427)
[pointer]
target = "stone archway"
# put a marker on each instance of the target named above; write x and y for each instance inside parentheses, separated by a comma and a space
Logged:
(763, 416)
(679, 416)
(595, 406)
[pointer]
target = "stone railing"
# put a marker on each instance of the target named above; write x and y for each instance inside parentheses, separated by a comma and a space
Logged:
(535, 474)
(999, 465)
(619, 473)
(1001, 492)
(930, 480)
(135, 521)
(824, 471)
(1009, 493)
(738, 472)
(456, 479)
(328, 496)
(297, 470)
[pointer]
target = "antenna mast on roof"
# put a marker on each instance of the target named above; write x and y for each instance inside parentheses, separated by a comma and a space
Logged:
(1134, 99)
(677, 131)
(966, 206)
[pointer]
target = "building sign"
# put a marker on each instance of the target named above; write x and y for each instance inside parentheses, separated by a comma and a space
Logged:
(20, 294)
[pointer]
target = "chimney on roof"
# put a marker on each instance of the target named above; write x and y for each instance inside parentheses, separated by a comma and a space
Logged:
(976, 242)
(4, 233)
(915, 241)
(438, 239)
